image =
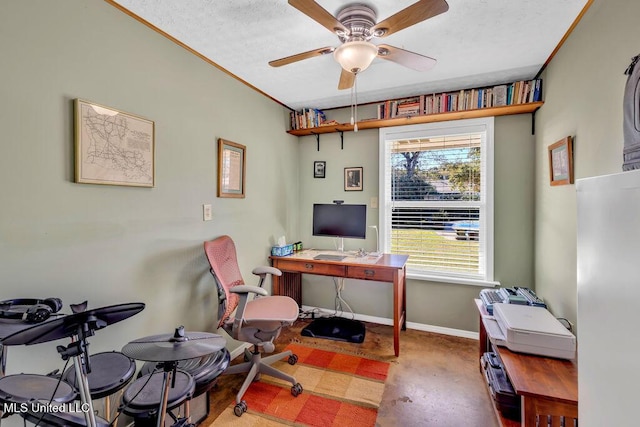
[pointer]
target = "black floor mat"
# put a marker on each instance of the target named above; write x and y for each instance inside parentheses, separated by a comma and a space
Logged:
(335, 328)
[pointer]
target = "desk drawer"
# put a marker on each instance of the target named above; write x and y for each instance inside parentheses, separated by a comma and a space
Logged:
(312, 267)
(371, 273)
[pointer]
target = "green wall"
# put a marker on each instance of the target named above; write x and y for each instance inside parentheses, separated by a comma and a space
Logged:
(110, 244)
(584, 86)
(436, 306)
(114, 244)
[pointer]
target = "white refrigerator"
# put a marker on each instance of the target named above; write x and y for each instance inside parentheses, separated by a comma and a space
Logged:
(608, 316)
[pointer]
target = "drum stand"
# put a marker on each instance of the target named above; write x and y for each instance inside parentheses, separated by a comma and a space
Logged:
(3, 360)
(78, 350)
(169, 378)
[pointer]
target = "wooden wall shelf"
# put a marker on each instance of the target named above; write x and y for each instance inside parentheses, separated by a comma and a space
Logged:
(427, 118)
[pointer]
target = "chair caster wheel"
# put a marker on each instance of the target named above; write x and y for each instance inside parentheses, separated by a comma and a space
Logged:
(240, 408)
(296, 389)
(293, 359)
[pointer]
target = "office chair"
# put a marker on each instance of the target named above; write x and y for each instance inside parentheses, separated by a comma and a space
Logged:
(257, 321)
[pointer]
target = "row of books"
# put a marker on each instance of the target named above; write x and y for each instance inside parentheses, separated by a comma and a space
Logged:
(307, 118)
(519, 92)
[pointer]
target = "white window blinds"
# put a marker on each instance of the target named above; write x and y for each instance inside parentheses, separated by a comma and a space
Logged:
(437, 194)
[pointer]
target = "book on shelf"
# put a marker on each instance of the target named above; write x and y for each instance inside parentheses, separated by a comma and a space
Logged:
(307, 118)
(499, 95)
(520, 92)
(406, 107)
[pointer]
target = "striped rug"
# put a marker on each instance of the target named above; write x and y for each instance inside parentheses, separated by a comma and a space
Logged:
(339, 390)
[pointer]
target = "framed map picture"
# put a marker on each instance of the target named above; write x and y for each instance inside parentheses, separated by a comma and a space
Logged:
(113, 147)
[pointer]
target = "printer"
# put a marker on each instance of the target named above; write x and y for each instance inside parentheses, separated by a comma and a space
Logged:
(533, 330)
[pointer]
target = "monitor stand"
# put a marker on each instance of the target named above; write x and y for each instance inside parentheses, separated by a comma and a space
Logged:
(335, 328)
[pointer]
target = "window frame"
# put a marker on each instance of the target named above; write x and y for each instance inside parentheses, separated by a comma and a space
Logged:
(483, 125)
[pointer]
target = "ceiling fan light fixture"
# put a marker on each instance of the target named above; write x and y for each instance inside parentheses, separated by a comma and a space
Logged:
(355, 56)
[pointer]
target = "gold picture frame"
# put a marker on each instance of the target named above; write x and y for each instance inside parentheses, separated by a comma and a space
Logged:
(112, 147)
(561, 162)
(231, 169)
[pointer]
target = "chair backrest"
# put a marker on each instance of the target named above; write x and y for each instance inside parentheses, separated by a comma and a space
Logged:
(221, 253)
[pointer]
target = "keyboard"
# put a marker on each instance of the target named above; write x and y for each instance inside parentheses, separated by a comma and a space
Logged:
(490, 297)
(329, 257)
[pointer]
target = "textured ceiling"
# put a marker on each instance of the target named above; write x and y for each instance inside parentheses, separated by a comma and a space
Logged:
(476, 43)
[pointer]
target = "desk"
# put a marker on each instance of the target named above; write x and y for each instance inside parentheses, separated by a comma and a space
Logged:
(546, 386)
(388, 268)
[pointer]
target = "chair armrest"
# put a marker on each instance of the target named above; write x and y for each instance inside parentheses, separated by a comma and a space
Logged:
(245, 289)
(262, 271)
(259, 271)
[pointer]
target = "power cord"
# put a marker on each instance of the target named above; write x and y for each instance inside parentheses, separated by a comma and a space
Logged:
(339, 285)
(310, 314)
(566, 323)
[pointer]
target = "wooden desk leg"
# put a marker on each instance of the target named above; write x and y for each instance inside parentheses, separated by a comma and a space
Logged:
(484, 347)
(399, 307)
(528, 411)
(403, 281)
(275, 284)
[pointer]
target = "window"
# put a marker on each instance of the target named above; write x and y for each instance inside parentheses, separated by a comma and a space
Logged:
(436, 191)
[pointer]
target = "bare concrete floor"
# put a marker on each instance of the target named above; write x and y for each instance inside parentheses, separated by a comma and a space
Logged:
(434, 382)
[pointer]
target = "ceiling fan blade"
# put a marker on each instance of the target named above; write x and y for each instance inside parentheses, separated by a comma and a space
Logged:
(346, 79)
(314, 11)
(300, 56)
(412, 60)
(417, 12)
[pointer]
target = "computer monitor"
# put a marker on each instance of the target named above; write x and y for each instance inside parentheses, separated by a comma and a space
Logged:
(339, 220)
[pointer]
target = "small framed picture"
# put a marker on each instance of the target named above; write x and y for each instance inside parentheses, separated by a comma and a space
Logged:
(353, 179)
(231, 169)
(561, 162)
(319, 168)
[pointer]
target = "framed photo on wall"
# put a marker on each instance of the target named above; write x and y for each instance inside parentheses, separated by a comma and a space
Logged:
(112, 147)
(231, 169)
(353, 179)
(319, 169)
(561, 162)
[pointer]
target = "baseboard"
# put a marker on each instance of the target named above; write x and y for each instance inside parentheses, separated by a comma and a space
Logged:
(410, 325)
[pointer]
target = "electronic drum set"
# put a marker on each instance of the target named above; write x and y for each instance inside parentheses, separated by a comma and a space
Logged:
(179, 367)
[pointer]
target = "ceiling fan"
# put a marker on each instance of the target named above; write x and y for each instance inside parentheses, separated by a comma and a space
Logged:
(355, 25)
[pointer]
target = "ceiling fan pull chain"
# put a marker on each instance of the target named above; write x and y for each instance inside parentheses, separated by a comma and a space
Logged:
(355, 90)
(351, 101)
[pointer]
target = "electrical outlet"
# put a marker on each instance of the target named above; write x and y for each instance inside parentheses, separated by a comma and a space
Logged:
(206, 213)
(374, 203)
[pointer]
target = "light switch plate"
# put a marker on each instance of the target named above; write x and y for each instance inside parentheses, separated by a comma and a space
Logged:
(206, 213)
(374, 203)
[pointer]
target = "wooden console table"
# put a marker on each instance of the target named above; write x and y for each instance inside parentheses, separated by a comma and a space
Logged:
(548, 387)
(389, 268)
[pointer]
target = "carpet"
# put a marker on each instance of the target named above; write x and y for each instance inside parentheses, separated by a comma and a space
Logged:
(339, 390)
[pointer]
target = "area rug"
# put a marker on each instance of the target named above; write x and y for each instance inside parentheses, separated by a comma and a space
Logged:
(339, 390)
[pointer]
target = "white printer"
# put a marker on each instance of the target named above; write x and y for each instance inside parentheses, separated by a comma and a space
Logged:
(534, 330)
